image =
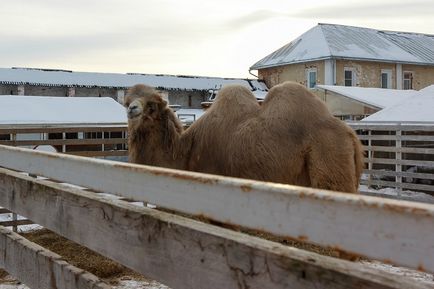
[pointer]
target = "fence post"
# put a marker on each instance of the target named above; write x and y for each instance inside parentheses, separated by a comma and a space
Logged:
(398, 157)
(14, 219)
(63, 146)
(370, 161)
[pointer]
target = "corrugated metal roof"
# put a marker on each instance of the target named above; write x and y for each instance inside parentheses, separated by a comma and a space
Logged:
(328, 41)
(47, 77)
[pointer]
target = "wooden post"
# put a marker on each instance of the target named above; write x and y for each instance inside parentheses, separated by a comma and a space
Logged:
(14, 219)
(370, 161)
(398, 157)
(63, 146)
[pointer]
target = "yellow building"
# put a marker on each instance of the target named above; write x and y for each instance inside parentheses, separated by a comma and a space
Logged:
(330, 54)
(352, 56)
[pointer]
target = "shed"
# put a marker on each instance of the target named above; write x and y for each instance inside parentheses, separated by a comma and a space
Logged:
(88, 126)
(418, 108)
(350, 102)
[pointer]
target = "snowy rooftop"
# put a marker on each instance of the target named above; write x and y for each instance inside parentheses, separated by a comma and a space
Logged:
(374, 97)
(327, 41)
(418, 108)
(60, 110)
(47, 77)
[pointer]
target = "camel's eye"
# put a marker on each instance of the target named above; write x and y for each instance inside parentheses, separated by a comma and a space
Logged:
(151, 106)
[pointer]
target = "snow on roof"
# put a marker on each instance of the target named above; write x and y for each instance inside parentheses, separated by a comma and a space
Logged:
(375, 97)
(328, 41)
(47, 77)
(418, 108)
(16, 109)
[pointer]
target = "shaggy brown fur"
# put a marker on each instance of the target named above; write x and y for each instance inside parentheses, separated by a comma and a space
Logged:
(292, 138)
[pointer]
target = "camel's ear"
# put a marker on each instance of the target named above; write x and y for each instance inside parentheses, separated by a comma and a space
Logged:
(162, 105)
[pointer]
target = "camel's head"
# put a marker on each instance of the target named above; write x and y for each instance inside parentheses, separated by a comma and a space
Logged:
(144, 105)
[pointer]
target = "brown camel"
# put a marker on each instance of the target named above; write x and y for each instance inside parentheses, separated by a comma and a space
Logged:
(292, 138)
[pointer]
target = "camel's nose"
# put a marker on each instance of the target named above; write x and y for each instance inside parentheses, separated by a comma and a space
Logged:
(132, 107)
(133, 111)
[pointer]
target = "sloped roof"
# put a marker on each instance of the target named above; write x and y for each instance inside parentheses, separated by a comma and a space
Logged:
(330, 41)
(47, 77)
(418, 108)
(15, 109)
(375, 97)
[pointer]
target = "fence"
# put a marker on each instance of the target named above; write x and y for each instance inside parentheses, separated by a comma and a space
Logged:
(398, 155)
(184, 253)
(91, 140)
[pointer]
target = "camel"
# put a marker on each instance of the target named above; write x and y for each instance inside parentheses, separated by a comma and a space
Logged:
(291, 138)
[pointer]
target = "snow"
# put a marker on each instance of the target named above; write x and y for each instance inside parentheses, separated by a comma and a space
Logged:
(378, 97)
(92, 79)
(418, 108)
(55, 110)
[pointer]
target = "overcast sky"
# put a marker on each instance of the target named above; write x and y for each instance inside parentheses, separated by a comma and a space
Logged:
(190, 37)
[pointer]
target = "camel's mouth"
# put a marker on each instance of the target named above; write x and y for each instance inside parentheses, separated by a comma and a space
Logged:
(133, 115)
(133, 111)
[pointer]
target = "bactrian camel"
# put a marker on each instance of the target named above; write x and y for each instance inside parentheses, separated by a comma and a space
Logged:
(291, 138)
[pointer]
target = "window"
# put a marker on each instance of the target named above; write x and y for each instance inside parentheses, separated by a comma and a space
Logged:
(386, 78)
(408, 80)
(311, 77)
(349, 77)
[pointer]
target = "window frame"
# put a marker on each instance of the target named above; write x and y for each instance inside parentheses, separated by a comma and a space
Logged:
(407, 79)
(388, 72)
(353, 76)
(309, 71)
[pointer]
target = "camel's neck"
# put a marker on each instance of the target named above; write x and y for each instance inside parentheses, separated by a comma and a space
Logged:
(159, 144)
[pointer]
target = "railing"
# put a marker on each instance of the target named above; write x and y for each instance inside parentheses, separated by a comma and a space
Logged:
(184, 253)
(398, 155)
(91, 140)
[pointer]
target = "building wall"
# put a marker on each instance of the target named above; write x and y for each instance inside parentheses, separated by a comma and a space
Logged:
(423, 76)
(96, 92)
(368, 74)
(187, 99)
(339, 105)
(8, 89)
(45, 90)
(291, 72)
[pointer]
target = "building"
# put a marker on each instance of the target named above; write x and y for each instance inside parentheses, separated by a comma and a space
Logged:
(352, 56)
(87, 126)
(186, 91)
(417, 109)
(355, 103)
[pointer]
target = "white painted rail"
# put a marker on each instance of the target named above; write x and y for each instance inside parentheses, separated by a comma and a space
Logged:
(395, 231)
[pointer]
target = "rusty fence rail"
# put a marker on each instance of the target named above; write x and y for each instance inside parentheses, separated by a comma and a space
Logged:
(398, 155)
(183, 253)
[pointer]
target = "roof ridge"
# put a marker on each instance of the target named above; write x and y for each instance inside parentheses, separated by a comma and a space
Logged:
(375, 29)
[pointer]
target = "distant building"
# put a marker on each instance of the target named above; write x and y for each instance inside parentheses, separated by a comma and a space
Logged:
(355, 103)
(352, 56)
(186, 91)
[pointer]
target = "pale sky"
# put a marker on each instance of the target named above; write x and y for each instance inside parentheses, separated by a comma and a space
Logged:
(190, 37)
